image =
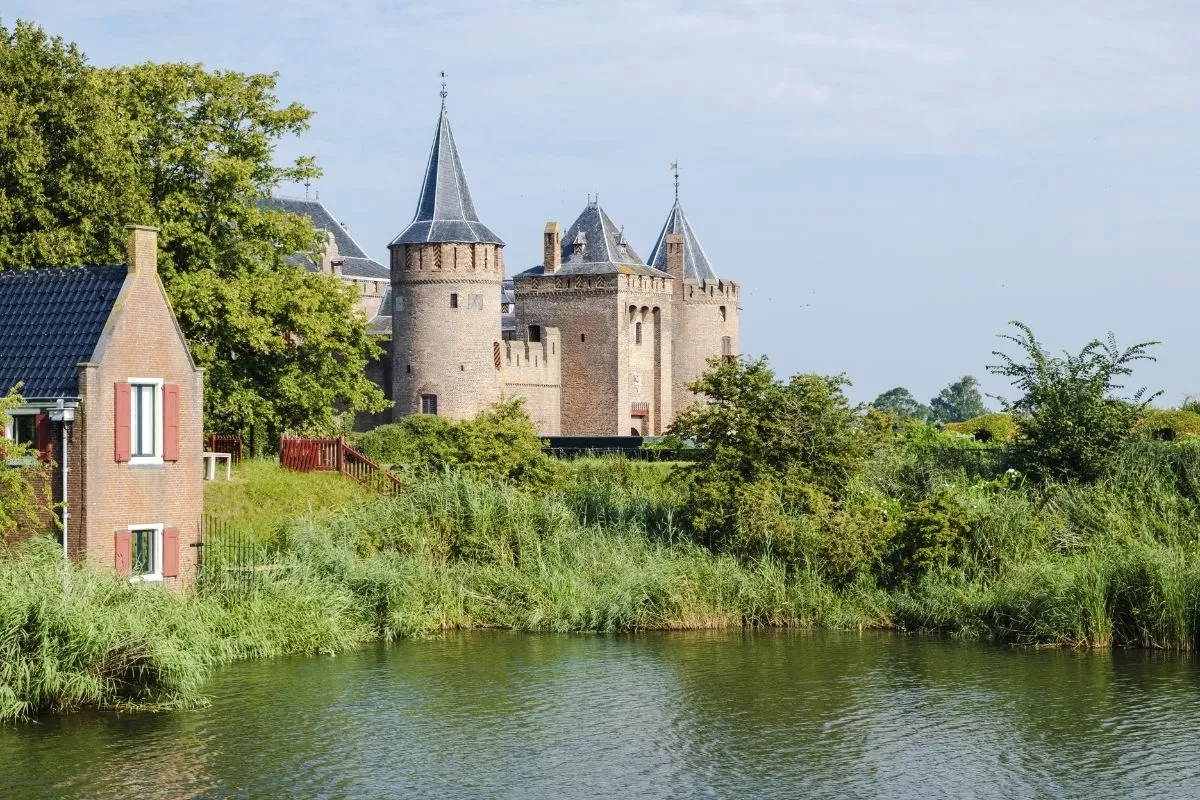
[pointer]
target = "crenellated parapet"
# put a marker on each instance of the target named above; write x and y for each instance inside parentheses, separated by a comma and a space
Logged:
(711, 292)
(531, 368)
(447, 261)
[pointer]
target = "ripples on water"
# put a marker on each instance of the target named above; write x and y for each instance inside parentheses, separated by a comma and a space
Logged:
(729, 714)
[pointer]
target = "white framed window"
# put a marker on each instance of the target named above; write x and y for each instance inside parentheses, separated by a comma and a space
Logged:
(145, 553)
(21, 427)
(146, 421)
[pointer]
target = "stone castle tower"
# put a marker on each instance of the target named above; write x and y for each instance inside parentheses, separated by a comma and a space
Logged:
(705, 321)
(446, 270)
(594, 339)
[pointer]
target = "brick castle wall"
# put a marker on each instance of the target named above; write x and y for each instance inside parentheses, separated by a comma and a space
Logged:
(442, 347)
(533, 371)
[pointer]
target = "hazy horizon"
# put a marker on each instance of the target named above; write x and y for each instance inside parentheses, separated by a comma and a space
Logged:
(889, 185)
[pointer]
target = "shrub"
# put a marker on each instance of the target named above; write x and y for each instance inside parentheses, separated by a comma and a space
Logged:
(998, 428)
(933, 533)
(1168, 425)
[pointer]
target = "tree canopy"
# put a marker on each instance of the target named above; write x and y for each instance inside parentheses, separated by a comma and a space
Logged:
(958, 402)
(901, 402)
(84, 151)
(1071, 421)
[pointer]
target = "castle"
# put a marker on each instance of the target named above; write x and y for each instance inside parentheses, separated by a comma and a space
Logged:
(596, 340)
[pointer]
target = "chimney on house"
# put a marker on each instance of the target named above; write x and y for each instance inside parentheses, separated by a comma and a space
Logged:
(675, 255)
(336, 265)
(142, 248)
(552, 248)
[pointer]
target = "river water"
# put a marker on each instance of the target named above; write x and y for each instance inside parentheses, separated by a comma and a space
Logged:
(731, 714)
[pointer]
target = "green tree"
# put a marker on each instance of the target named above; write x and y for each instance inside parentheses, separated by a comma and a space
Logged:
(801, 441)
(959, 401)
(1070, 420)
(67, 180)
(900, 402)
(20, 472)
(192, 151)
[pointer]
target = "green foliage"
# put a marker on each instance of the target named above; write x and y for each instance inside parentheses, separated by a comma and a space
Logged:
(935, 531)
(1070, 423)
(67, 185)
(84, 151)
(20, 472)
(1168, 425)
(900, 402)
(801, 439)
(500, 443)
(998, 428)
(959, 401)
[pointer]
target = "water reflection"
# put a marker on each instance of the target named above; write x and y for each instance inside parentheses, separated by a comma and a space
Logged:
(723, 714)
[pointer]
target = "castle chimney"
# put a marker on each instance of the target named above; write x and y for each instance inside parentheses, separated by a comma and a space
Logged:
(552, 248)
(675, 255)
(142, 248)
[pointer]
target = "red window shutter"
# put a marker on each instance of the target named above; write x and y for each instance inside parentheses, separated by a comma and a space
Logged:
(123, 552)
(170, 422)
(121, 422)
(170, 553)
(43, 439)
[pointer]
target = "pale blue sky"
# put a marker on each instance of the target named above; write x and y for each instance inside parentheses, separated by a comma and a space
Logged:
(890, 182)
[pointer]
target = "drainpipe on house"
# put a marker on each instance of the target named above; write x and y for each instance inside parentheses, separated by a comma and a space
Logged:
(64, 414)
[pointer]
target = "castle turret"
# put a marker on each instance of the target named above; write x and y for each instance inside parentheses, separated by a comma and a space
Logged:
(705, 318)
(446, 268)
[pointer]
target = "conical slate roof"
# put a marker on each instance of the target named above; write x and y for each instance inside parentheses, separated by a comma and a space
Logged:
(445, 212)
(603, 248)
(695, 263)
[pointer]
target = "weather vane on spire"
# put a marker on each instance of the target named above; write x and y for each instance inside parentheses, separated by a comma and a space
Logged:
(675, 170)
(443, 90)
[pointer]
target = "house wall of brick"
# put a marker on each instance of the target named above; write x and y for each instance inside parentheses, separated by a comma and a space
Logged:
(141, 340)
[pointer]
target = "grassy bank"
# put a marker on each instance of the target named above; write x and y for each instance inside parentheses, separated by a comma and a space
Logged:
(603, 549)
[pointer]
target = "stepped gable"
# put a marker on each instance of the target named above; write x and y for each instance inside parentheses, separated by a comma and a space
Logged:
(445, 212)
(595, 245)
(357, 263)
(695, 263)
(50, 322)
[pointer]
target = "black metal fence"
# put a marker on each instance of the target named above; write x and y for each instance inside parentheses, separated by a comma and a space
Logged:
(229, 556)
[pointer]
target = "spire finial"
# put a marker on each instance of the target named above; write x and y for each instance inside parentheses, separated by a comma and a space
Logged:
(675, 170)
(307, 183)
(443, 92)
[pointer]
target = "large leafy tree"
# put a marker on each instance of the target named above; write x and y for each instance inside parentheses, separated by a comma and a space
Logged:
(1071, 419)
(959, 401)
(900, 402)
(799, 440)
(192, 152)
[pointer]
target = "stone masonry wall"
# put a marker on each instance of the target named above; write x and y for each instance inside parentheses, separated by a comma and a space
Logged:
(533, 371)
(705, 314)
(445, 321)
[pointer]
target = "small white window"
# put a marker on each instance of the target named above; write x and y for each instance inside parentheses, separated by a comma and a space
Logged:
(145, 429)
(145, 552)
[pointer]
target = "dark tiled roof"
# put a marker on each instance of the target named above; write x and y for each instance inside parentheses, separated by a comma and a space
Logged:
(605, 250)
(50, 321)
(695, 263)
(445, 212)
(358, 263)
(365, 268)
(321, 219)
(381, 323)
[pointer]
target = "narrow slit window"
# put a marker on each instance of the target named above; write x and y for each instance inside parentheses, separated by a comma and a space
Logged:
(637, 333)
(453, 300)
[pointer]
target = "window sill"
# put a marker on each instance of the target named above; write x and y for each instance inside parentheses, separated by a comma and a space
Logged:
(146, 461)
(146, 579)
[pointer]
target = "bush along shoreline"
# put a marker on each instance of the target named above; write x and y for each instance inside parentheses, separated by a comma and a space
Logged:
(800, 509)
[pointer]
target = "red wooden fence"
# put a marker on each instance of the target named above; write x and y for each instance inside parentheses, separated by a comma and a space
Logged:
(334, 455)
(225, 443)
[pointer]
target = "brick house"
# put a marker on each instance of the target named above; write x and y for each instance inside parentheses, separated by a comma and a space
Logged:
(110, 391)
